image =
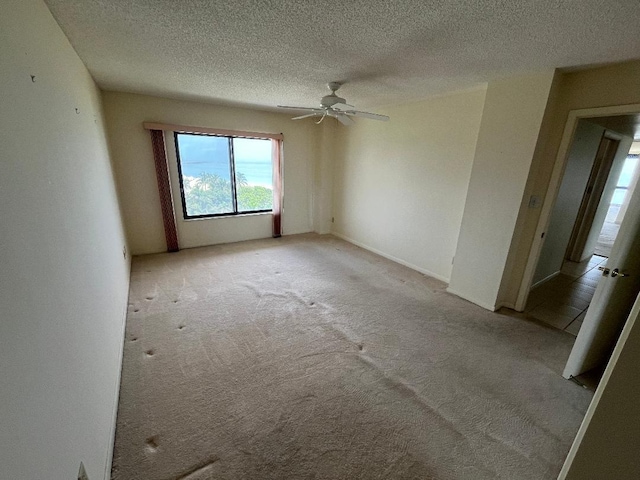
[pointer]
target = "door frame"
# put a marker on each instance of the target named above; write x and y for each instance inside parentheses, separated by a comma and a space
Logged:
(590, 203)
(554, 187)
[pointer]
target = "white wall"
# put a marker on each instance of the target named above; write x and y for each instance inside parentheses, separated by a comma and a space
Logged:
(64, 281)
(135, 170)
(511, 120)
(583, 152)
(399, 186)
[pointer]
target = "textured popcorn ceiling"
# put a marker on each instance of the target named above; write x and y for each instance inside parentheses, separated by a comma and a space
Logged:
(266, 52)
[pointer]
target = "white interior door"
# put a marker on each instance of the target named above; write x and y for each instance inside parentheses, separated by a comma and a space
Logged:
(613, 298)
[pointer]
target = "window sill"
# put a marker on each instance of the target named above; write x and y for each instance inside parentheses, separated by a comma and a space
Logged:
(226, 216)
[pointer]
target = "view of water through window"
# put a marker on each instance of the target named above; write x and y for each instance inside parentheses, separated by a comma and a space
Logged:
(206, 167)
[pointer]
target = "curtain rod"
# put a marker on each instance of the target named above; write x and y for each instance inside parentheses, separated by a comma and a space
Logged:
(212, 131)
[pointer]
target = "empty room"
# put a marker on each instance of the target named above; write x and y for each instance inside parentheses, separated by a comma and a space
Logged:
(317, 240)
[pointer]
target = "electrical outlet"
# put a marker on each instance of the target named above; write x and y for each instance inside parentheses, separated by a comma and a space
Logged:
(124, 252)
(332, 219)
(82, 473)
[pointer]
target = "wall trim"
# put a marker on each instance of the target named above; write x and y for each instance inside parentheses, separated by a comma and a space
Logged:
(392, 258)
(544, 280)
(297, 232)
(480, 303)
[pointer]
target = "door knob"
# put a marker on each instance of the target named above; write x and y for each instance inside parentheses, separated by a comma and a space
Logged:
(616, 273)
(605, 271)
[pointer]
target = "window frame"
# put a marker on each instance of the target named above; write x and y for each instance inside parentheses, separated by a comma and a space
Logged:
(232, 177)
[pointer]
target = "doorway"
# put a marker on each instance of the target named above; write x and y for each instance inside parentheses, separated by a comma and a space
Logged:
(597, 196)
(567, 273)
(600, 174)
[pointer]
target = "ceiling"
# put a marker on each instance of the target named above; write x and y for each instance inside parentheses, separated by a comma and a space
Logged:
(623, 124)
(267, 52)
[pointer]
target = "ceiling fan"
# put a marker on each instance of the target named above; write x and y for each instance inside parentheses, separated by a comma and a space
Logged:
(334, 106)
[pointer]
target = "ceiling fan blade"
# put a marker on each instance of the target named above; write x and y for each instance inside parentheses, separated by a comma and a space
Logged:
(343, 106)
(343, 119)
(307, 115)
(303, 109)
(372, 116)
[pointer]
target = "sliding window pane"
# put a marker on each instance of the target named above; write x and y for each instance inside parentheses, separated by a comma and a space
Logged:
(618, 196)
(630, 165)
(206, 174)
(254, 174)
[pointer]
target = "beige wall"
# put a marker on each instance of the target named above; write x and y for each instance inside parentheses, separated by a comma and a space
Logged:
(135, 171)
(399, 186)
(511, 120)
(64, 281)
(601, 87)
(323, 185)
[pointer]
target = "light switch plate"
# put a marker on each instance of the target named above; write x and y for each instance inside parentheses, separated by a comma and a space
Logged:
(535, 201)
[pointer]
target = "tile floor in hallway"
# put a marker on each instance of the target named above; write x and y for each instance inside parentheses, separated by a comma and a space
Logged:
(562, 302)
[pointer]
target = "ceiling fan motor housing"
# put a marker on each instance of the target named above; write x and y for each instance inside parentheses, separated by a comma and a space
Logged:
(331, 100)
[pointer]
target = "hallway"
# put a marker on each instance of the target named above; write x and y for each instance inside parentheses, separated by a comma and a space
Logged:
(562, 302)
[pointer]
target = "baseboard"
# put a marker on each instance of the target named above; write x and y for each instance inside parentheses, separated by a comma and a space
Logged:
(392, 258)
(109, 462)
(511, 306)
(545, 279)
(296, 232)
(480, 303)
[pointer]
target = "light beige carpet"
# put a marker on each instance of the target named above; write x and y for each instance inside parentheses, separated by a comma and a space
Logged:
(308, 358)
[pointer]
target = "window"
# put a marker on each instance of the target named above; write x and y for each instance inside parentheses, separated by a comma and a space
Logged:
(222, 175)
(624, 181)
